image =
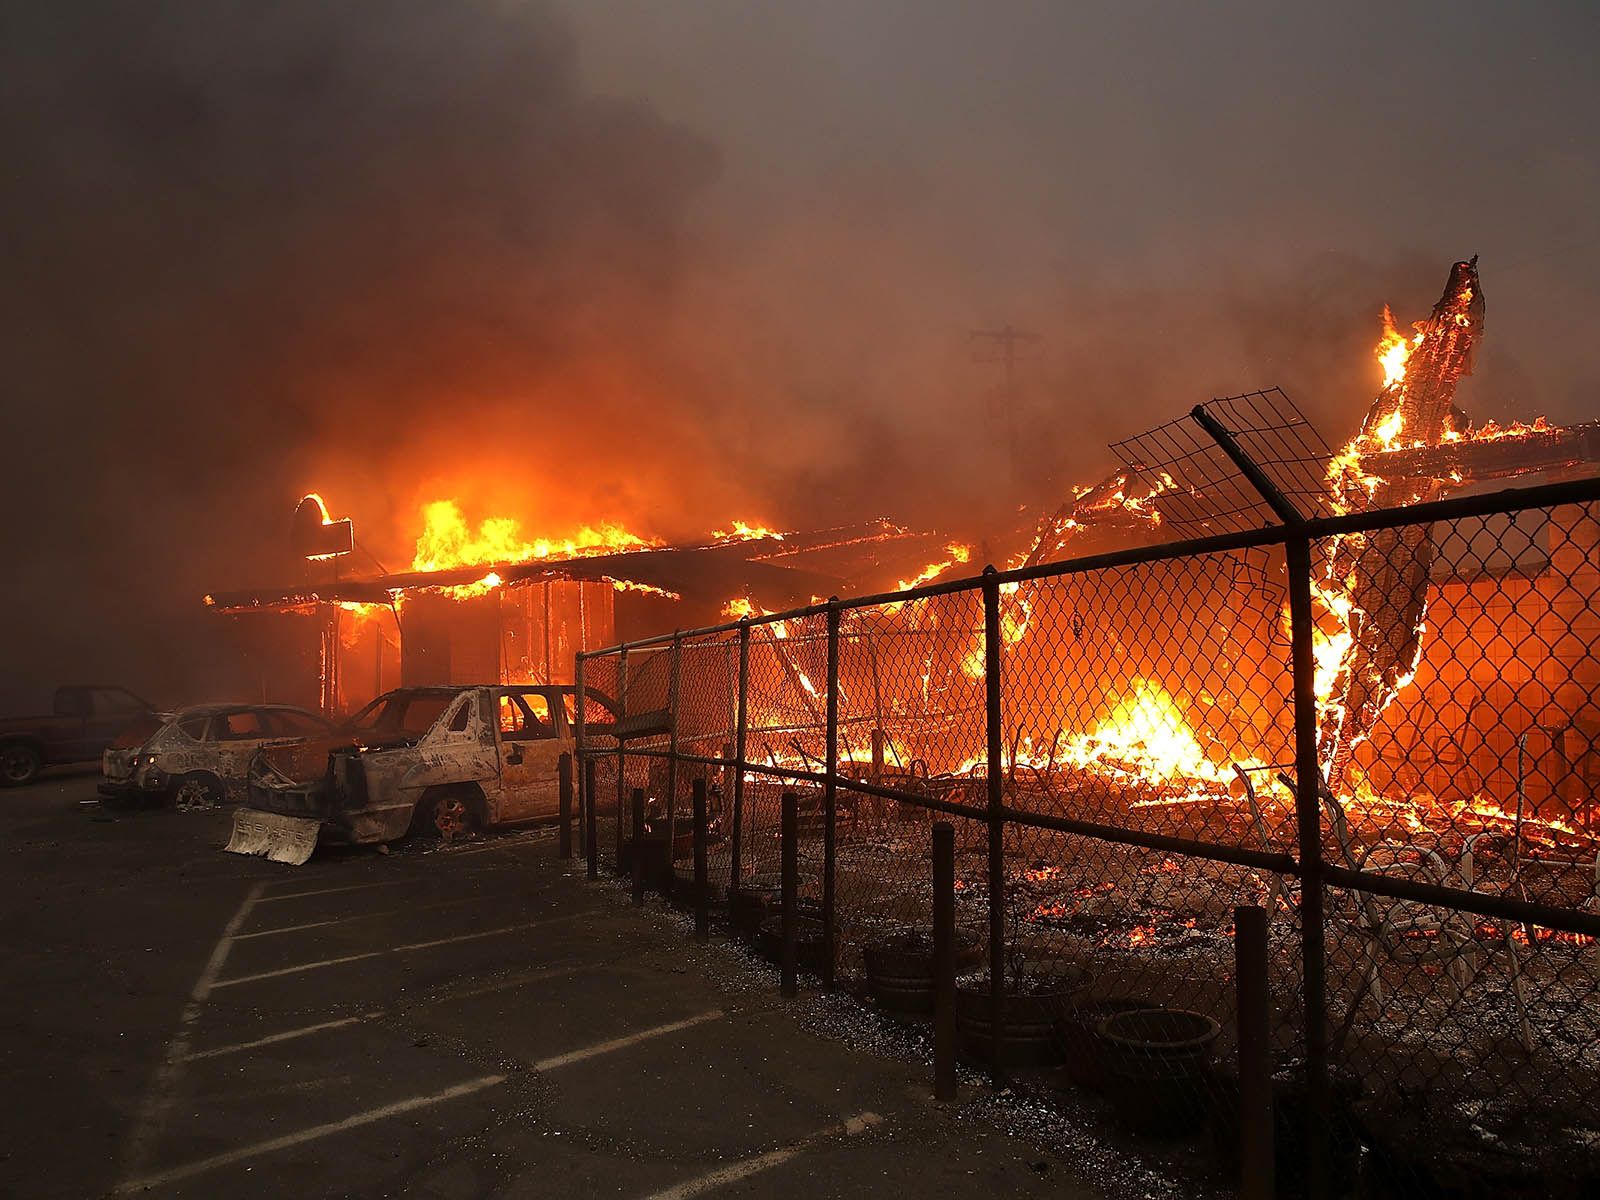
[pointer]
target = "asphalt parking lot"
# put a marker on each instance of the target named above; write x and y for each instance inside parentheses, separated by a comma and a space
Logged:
(460, 1021)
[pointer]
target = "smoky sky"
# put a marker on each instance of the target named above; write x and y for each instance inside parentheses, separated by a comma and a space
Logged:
(675, 264)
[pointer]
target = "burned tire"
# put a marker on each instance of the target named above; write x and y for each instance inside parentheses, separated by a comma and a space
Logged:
(19, 764)
(447, 815)
(198, 790)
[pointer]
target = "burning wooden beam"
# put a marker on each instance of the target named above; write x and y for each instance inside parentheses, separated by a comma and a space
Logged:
(1123, 502)
(1499, 455)
(1375, 585)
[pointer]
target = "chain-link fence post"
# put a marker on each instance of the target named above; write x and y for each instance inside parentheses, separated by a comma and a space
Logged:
(830, 796)
(1308, 823)
(674, 665)
(741, 728)
(944, 961)
(637, 860)
(564, 806)
(591, 845)
(789, 886)
(1253, 1010)
(579, 732)
(997, 862)
(1308, 800)
(702, 884)
(622, 774)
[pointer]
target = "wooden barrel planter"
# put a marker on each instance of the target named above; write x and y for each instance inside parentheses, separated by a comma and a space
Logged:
(759, 897)
(1028, 1037)
(1290, 1120)
(683, 889)
(1446, 1139)
(900, 966)
(657, 866)
(1084, 1052)
(1158, 1063)
(810, 950)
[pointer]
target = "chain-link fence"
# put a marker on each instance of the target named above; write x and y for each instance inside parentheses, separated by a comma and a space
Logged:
(1123, 745)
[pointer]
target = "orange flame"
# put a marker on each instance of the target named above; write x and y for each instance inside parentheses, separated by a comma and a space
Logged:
(956, 552)
(449, 540)
(1147, 735)
(1394, 349)
(321, 507)
(742, 532)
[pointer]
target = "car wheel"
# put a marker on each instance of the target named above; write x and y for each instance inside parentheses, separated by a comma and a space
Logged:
(195, 791)
(19, 764)
(448, 816)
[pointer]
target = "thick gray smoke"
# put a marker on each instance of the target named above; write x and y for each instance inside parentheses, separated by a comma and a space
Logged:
(671, 265)
(262, 248)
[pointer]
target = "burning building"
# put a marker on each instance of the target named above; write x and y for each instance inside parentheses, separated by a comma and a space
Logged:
(1419, 616)
(486, 603)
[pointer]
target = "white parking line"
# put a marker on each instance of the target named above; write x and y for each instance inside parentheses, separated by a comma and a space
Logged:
(324, 962)
(286, 1036)
(450, 997)
(352, 887)
(348, 958)
(371, 916)
(467, 937)
(572, 1056)
(723, 1176)
(189, 1170)
(501, 985)
(164, 1086)
(297, 928)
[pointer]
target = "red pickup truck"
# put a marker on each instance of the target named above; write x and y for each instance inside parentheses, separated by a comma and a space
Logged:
(86, 718)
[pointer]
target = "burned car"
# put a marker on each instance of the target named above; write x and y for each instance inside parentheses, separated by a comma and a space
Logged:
(442, 761)
(198, 757)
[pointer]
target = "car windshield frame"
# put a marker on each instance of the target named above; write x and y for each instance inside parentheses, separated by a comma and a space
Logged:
(374, 720)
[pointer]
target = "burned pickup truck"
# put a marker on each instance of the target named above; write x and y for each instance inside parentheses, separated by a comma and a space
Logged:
(440, 761)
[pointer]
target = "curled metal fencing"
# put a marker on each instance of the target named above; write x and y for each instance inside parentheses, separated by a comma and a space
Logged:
(1382, 729)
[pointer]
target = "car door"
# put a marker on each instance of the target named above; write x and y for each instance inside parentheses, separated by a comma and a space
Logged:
(526, 738)
(237, 734)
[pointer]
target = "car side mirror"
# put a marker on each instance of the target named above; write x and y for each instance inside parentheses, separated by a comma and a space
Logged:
(515, 757)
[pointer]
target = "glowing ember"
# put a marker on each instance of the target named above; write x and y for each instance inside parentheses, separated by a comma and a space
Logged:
(1519, 934)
